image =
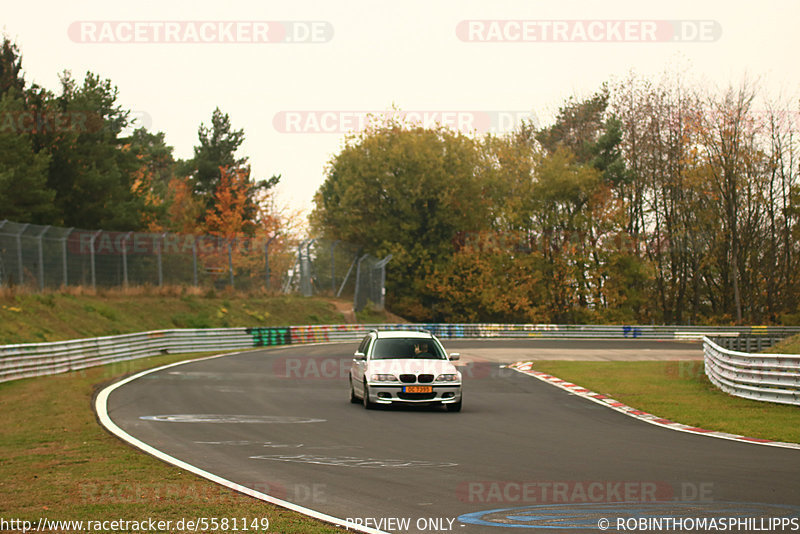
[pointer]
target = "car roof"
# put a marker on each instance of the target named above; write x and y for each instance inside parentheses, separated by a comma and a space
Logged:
(383, 334)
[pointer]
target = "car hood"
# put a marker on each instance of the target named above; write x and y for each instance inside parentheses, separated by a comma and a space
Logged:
(409, 366)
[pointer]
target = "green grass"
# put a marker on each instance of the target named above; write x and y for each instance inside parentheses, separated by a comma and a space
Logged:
(680, 391)
(31, 317)
(57, 462)
(370, 316)
(790, 345)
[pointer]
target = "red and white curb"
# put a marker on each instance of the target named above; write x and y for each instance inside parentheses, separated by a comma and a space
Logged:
(605, 400)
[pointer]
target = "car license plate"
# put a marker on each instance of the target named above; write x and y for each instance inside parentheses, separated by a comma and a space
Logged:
(418, 389)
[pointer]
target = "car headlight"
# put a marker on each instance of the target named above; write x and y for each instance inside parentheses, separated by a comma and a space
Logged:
(447, 378)
(384, 378)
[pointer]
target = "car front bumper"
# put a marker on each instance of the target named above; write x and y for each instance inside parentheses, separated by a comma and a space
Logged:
(382, 393)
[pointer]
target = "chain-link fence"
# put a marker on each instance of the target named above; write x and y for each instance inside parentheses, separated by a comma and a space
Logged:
(50, 257)
(339, 269)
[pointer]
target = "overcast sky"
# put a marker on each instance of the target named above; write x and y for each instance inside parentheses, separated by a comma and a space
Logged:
(175, 61)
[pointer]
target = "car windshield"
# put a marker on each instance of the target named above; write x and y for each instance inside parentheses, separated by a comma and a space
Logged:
(407, 348)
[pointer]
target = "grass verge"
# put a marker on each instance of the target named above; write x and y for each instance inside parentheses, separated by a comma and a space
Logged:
(680, 391)
(77, 313)
(790, 345)
(57, 462)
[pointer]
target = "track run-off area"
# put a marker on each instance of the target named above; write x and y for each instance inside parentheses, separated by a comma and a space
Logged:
(277, 423)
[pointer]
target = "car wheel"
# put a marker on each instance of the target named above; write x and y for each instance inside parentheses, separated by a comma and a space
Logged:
(455, 407)
(353, 398)
(368, 404)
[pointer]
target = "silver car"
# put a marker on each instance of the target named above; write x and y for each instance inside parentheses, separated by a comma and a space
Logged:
(404, 367)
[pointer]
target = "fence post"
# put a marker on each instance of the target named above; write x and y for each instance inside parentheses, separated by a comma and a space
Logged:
(194, 260)
(41, 257)
(20, 266)
(333, 268)
(291, 273)
(91, 256)
(64, 256)
(305, 271)
(349, 270)
(125, 259)
(266, 261)
(358, 279)
(2, 275)
(382, 265)
(230, 262)
(160, 242)
(309, 269)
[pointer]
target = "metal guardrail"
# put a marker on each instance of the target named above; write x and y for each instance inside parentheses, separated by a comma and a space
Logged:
(36, 359)
(747, 343)
(764, 377)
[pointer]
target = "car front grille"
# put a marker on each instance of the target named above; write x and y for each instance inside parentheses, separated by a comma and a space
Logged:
(416, 396)
(410, 379)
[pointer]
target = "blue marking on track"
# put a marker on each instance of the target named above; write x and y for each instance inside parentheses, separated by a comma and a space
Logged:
(586, 515)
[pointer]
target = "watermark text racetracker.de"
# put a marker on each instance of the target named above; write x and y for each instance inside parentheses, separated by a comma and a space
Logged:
(56, 121)
(516, 492)
(200, 32)
(588, 31)
(347, 121)
(120, 492)
(337, 369)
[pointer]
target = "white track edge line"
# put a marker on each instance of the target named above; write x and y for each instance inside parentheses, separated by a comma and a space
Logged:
(781, 444)
(101, 408)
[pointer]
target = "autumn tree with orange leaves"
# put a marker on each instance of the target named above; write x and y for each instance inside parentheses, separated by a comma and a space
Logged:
(227, 217)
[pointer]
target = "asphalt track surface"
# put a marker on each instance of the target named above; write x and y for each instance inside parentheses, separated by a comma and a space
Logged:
(521, 454)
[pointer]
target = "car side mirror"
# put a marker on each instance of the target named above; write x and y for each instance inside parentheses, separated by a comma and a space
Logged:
(455, 356)
(359, 356)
